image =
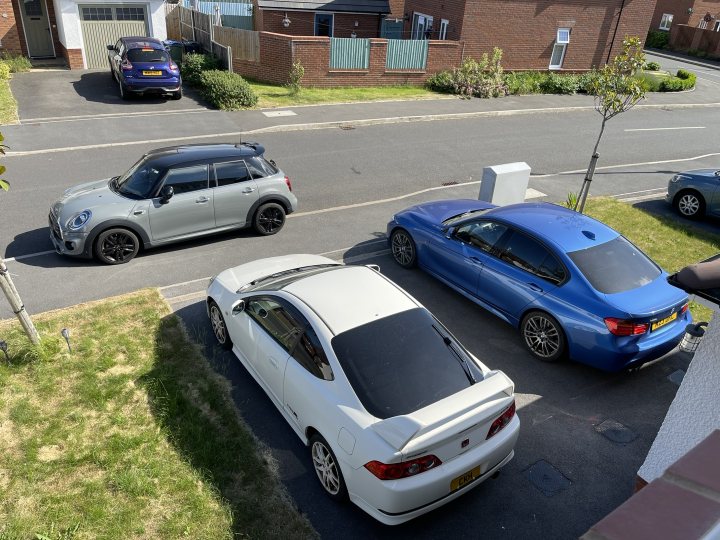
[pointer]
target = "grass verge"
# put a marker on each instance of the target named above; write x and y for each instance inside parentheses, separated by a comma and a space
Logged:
(8, 105)
(672, 244)
(280, 96)
(132, 435)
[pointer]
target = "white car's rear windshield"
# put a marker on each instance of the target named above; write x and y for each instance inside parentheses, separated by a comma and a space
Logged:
(404, 362)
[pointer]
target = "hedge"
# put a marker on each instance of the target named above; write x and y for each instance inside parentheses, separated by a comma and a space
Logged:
(225, 90)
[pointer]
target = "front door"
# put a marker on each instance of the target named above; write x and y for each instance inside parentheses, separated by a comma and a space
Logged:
(37, 28)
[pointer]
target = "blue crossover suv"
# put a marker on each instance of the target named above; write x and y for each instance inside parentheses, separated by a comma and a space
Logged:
(141, 65)
(571, 284)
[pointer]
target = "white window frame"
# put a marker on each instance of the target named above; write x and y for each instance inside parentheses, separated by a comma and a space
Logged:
(717, 26)
(666, 21)
(444, 23)
(702, 24)
(427, 22)
(562, 40)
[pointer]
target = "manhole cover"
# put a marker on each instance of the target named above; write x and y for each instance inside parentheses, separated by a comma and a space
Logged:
(616, 432)
(677, 376)
(547, 478)
(347, 128)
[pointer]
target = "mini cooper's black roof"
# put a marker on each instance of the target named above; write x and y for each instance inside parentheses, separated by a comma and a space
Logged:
(198, 153)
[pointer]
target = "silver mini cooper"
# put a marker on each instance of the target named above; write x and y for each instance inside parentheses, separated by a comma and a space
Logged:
(172, 194)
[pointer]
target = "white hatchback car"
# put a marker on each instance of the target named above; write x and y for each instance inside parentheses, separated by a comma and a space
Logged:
(398, 415)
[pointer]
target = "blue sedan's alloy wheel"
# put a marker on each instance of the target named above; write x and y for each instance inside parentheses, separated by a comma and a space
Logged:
(543, 336)
(403, 248)
(690, 204)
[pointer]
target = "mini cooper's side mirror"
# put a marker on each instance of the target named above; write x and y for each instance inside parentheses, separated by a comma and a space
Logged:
(166, 194)
(238, 307)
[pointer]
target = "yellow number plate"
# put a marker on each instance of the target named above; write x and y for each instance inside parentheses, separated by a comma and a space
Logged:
(466, 478)
(666, 320)
(155, 73)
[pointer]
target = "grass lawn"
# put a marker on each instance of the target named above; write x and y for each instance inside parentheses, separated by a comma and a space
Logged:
(8, 105)
(132, 435)
(672, 243)
(279, 96)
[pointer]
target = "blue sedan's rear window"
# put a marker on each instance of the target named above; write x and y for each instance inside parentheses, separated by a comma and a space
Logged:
(147, 55)
(404, 362)
(615, 266)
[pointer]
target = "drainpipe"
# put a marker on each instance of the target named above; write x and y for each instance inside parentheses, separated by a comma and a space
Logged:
(612, 41)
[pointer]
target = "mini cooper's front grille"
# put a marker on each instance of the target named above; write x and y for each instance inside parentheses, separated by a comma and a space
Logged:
(54, 226)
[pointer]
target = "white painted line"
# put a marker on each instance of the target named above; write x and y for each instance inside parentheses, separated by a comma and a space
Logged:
(51, 119)
(186, 297)
(666, 128)
(183, 283)
(21, 257)
(643, 197)
(655, 190)
(274, 114)
(531, 193)
(607, 167)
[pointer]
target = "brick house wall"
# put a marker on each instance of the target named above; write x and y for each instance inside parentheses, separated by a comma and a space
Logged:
(526, 31)
(10, 29)
(679, 10)
(303, 23)
(452, 11)
(278, 52)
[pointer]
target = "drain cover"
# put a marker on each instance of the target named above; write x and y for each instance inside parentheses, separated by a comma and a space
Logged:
(616, 432)
(547, 478)
(450, 183)
(677, 376)
(347, 128)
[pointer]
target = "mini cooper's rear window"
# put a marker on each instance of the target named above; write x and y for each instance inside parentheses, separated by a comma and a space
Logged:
(404, 362)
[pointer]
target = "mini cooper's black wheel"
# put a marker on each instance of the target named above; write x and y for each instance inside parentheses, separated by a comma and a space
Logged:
(403, 248)
(543, 336)
(327, 468)
(269, 219)
(116, 246)
(219, 327)
(689, 204)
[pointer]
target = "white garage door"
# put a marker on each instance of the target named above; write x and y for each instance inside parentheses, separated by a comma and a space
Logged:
(104, 24)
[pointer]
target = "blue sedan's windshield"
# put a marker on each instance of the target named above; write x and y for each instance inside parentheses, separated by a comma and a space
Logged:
(139, 182)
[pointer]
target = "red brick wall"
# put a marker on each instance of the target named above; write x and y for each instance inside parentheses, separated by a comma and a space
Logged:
(303, 24)
(73, 57)
(277, 53)
(676, 8)
(702, 8)
(11, 29)
(451, 10)
(397, 8)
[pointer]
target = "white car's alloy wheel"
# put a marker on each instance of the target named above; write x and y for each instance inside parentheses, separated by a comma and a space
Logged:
(327, 468)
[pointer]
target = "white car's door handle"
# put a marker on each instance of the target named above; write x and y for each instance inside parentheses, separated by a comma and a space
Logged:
(248, 190)
(202, 200)
(273, 362)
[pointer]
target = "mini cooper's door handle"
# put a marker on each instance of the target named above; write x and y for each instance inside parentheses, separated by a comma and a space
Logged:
(138, 212)
(202, 200)
(248, 190)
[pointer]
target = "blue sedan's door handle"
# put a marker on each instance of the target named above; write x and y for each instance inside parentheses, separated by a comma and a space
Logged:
(535, 287)
(475, 260)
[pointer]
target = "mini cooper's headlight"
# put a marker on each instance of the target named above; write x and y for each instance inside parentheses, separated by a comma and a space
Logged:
(79, 220)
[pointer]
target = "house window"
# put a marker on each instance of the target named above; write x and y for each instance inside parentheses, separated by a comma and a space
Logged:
(97, 14)
(717, 26)
(324, 24)
(421, 27)
(443, 28)
(558, 51)
(666, 21)
(130, 13)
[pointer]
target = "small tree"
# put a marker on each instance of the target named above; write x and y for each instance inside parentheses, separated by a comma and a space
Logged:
(297, 72)
(616, 90)
(6, 283)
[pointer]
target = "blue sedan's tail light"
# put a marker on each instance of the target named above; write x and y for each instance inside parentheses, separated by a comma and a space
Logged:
(619, 327)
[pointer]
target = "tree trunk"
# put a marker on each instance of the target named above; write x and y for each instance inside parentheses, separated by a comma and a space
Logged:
(16, 304)
(585, 189)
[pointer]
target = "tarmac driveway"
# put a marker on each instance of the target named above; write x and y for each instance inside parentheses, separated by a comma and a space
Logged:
(65, 93)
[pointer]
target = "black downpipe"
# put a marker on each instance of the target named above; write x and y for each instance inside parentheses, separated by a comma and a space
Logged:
(617, 24)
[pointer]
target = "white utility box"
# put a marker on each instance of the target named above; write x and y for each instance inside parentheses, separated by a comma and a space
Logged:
(505, 184)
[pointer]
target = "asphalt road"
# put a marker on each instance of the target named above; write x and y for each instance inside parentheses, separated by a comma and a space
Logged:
(353, 166)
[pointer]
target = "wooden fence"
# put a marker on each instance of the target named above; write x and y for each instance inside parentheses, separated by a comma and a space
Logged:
(245, 44)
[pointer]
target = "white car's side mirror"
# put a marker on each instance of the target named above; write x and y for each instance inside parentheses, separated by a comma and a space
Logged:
(238, 307)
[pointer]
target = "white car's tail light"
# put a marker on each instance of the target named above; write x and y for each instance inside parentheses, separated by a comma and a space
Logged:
(502, 420)
(395, 471)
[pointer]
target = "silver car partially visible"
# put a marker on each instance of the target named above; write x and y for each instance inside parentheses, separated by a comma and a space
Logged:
(169, 195)
(695, 194)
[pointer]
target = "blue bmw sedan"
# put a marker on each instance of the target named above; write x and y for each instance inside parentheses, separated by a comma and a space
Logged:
(572, 285)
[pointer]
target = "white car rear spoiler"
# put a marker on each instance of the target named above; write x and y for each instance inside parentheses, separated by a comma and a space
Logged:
(457, 413)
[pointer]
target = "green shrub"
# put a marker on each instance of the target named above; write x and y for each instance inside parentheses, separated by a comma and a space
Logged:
(17, 62)
(297, 72)
(225, 90)
(556, 83)
(4, 70)
(440, 82)
(586, 80)
(525, 82)
(194, 64)
(650, 82)
(652, 66)
(482, 78)
(657, 39)
(683, 80)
